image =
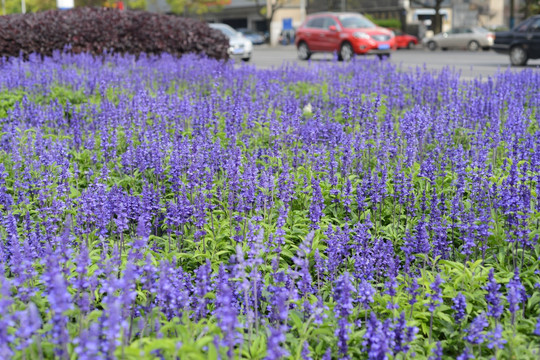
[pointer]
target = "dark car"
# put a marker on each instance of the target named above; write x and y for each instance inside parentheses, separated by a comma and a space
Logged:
(255, 37)
(344, 33)
(521, 43)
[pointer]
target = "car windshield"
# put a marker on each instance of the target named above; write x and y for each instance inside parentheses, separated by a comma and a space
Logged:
(228, 31)
(355, 22)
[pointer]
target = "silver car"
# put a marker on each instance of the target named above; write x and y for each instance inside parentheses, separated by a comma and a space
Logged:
(239, 46)
(474, 38)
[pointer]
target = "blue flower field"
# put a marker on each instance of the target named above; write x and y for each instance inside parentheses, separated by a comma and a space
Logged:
(161, 208)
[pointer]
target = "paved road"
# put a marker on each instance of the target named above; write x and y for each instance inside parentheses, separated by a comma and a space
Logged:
(470, 64)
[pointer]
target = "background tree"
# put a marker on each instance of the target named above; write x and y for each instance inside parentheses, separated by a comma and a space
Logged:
(135, 4)
(531, 7)
(194, 7)
(14, 6)
(89, 3)
(435, 5)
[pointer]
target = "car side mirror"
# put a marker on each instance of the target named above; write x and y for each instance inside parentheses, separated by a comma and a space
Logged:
(333, 28)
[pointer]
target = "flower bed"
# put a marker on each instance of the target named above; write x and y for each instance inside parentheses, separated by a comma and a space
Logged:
(184, 208)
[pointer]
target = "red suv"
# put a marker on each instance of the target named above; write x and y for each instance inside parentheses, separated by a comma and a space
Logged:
(346, 33)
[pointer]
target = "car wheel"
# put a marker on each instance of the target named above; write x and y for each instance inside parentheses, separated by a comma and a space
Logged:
(346, 52)
(410, 45)
(303, 51)
(473, 46)
(518, 56)
(383, 56)
(432, 45)
(246, 59)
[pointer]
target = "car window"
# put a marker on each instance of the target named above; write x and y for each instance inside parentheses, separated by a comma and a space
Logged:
(467, 31)
(225, 29)
(523, 26)
(317, 22)
(328, 21)
(355, 21)
(535, 26)
(480, 30)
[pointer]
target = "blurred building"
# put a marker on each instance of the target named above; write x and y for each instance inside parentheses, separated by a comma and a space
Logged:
(247, 14)
(415, 18)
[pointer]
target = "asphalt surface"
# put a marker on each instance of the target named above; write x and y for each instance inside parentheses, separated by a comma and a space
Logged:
(469, 64)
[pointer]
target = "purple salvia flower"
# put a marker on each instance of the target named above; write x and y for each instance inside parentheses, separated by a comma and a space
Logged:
(537, 328)
(327, 354)
(274, 349)
(465, 355)
(226, 313)
(87, 344)
(493, 297)
(378, 339)
(459, 307)
(336, 249)
(203, 286)
(317, 204)
(6, 319)
(301, 261)
(111, 324)
(280, 223)
(437, 352)
(361, 197)
(346, 196)
(365, 293)
(82, 282)
(391, 287)
(280, 295)
(30, 322)
(436, 294)
(173, 290)
(319, 311)
(494, 338)
(60, 303)
(320, 267)
(305, 352)
(414, 290)
(516, 294)
(403, 334)
(408, 249)
(343, 290)
(475, 333)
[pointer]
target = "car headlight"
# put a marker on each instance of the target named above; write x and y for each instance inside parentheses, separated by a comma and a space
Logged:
(361, 35)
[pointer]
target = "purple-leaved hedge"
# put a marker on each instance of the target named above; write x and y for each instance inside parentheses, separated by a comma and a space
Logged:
(100, 30)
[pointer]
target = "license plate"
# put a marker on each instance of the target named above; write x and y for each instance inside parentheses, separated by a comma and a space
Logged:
(238, 51)
(384, 46)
